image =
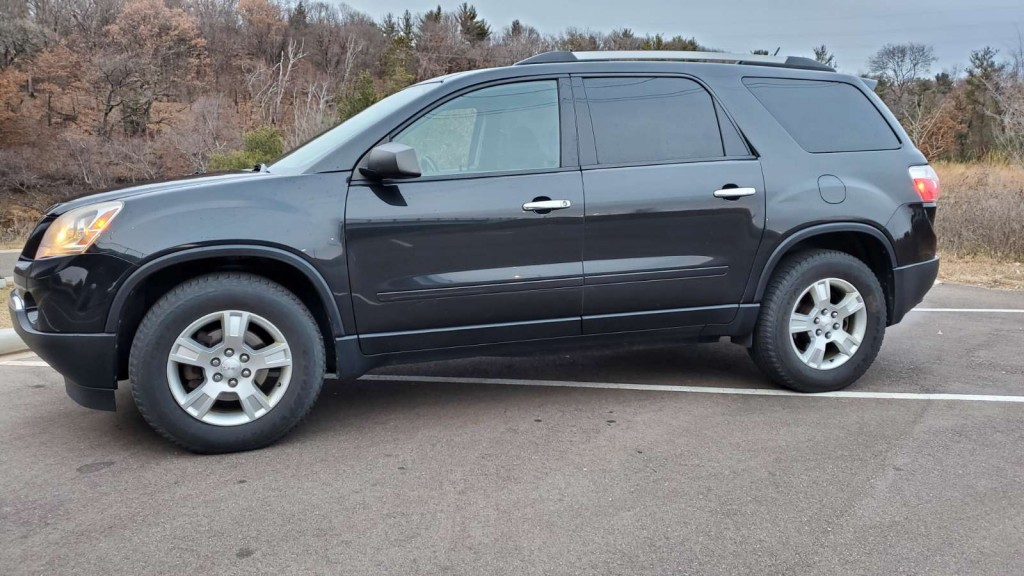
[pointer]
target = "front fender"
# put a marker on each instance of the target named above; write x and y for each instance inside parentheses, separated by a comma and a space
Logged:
(138, 277)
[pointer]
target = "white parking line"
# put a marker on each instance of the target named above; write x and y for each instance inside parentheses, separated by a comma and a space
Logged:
(973, 310)
(18, 355)
(649, 387)
(695, 389)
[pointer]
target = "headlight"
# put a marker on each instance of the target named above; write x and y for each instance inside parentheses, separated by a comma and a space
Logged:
(73, 232)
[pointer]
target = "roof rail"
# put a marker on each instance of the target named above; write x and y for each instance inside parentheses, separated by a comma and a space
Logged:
(612, 55)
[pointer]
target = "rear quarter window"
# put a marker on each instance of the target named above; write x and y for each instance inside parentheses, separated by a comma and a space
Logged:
(824, 116)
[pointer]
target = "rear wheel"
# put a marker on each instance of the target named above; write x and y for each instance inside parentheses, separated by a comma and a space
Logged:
(822, 322)
(226, 362)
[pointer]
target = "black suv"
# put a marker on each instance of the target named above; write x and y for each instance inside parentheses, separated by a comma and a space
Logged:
(573, 198)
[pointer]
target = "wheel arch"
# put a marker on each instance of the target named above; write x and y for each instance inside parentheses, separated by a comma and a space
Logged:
(154, 278)
(863, 241)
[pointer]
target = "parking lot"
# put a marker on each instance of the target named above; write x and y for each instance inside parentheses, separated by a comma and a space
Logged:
(635, 461)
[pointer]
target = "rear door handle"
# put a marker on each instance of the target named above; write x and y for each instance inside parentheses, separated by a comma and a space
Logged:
(539, 205)
(733, 193)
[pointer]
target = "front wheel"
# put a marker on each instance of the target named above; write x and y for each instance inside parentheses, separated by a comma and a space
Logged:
(226, 362)
(821, 323)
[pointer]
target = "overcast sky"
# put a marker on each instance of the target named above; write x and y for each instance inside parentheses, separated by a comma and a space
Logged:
(853, 30)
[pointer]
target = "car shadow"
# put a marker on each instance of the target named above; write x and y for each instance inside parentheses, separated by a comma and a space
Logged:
(357, 404)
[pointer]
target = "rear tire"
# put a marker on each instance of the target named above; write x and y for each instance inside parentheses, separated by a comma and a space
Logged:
(821, 323)
(226, 362)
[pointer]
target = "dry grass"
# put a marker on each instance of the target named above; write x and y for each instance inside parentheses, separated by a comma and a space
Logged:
(980, 224)
(981, 211)
(5, 315)
(982, 271)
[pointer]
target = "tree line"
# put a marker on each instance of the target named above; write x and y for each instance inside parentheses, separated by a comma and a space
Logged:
(100, 92)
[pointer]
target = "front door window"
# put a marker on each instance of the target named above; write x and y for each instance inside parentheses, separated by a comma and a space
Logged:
(498, 129)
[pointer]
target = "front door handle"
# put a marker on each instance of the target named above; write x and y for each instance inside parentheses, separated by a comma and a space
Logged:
(734, 193)
(539, 205)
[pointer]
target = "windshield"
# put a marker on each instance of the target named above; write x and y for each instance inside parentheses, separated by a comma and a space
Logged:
(314, 150)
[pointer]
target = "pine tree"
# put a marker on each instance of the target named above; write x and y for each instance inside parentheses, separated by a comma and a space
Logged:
(474, 29)
(298, 19)
(821, 54)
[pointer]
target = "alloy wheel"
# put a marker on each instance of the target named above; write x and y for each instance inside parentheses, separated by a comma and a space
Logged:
(229, 368)
(828, 323)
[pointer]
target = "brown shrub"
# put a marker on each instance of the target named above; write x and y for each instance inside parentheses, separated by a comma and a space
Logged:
(15, 224)
(981, 210)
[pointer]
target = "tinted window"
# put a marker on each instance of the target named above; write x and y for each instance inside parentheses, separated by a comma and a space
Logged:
(507, 127)
(824, 116)
(640, 120)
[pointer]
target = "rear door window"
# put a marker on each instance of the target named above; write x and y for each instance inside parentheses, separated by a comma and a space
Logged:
(824, 116)
(652, 120)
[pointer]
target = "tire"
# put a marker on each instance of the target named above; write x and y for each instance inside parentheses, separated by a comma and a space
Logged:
(791, 326)
(280, 355)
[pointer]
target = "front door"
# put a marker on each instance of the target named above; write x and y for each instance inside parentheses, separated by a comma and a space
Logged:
(675, 205)
(486, 245)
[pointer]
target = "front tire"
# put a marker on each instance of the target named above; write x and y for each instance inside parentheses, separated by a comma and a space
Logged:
(226, 362)
(821, 323)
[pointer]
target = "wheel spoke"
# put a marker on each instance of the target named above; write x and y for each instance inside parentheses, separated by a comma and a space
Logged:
(188, 351)
(254, 403)
(849, 305)
(815, 353)
(273, 356)
(229, 369)
(234, 323)
(821, 292)
(199, 401)
(800, 323)
(846, 342)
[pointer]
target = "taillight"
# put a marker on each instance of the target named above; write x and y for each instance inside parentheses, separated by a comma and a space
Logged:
(926, 182)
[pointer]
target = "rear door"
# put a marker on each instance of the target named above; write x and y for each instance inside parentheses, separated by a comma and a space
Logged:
(463, 255)
(675, 204)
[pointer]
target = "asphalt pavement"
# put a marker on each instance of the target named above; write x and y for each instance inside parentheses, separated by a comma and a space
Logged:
(673, 460)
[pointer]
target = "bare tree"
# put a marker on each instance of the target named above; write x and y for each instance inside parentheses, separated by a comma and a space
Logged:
(202, 132)
(18, 170)
(1007, 89)
(312, 112)
(149, 53)
(439, 44)
(520, 42)
(901, 70)
(20, 37)
(621, 39)
(899, 66)
(268, 85)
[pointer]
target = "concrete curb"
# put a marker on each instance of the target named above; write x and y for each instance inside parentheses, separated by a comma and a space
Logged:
(9, 342)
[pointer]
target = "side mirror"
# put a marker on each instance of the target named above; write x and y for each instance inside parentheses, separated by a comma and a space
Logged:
(391, 160)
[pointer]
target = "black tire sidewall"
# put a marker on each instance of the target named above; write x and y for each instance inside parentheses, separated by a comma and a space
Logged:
(175, 312)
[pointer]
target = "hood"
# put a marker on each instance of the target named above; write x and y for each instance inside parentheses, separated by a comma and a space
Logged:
(123, 192)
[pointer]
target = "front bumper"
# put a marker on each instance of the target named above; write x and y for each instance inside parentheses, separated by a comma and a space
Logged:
(911, 284)
(86, 361)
